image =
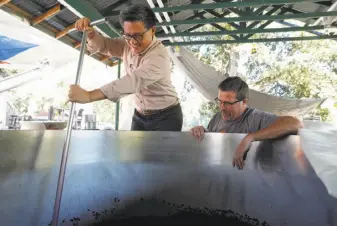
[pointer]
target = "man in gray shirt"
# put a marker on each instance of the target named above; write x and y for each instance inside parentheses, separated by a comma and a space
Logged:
(249, 121)
(236, 117)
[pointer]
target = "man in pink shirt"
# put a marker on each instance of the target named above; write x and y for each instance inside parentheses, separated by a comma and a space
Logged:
(147, 71)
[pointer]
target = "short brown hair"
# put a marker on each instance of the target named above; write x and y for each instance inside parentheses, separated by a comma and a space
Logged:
(237, 85)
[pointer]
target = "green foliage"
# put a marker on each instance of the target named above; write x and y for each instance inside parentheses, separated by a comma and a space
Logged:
(306, 69)
(43, 104)
(20, 103)
(208, 109)
(105, 111)
(324, 113)
(296, 80)
(297, 70)
(216, 57)
(7, 73)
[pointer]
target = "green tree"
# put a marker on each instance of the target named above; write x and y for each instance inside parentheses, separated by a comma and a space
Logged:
(215, 56)
(105, 111)
(298, 70)
(7, 73)
(208, 109)
(20, 103)
(323, 113)
(297, 80)
(306, 69)
(43, 104)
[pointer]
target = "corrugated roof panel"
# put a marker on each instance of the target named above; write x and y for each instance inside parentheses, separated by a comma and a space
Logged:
(60, 21)
(76, 35)
(57, 25)
(46, 3)
(67, 16)
(101, 4)
(36, 9)
(28, 6)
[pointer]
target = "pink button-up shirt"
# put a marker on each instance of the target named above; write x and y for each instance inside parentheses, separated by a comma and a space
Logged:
(147, 75)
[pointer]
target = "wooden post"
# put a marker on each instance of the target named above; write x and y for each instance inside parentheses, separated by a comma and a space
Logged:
(65, 31)
(4, 2)
(51, 12)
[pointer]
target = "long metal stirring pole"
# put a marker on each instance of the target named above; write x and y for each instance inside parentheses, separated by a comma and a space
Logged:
(64, 159)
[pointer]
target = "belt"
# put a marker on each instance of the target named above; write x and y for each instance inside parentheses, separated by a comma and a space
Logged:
(152, 112)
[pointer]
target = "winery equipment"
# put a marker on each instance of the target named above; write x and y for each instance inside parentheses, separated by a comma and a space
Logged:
(121, 174)
(88, 122)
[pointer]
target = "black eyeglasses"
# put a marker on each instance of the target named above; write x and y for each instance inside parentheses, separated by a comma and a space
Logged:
(136, 37)
(226, 103)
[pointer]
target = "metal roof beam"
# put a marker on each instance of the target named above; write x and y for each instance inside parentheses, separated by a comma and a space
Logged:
(261, 27)
(250, 18)
(266, 23)
(189, 18)
(220, 5)
(221, 28)
(87, 10)
(260, 10)
(270, 12)
(210, 11)
(294, 25)
(239, 4)
(220, 42)
(194, 27)
(244, 31)
(321, 19)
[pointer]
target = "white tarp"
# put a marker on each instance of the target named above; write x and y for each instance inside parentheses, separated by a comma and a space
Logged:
(48, 49)
(206, 80)
(320, 147)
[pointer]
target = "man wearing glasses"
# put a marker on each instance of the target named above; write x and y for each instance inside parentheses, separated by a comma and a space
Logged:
(236, 117)
(147, 71)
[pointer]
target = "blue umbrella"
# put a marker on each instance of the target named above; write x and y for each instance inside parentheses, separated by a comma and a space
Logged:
(11, 47)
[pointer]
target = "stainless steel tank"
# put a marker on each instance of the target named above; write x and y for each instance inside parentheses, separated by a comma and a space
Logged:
(114, 175)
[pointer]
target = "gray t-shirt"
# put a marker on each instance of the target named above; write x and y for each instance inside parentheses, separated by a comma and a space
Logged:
(250, 121)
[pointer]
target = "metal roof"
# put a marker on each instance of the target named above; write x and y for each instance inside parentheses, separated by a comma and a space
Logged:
(177, 19)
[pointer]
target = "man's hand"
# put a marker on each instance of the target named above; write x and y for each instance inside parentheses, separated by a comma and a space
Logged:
(83, 24)
(241, 150)
(78, 95)
(198, 132)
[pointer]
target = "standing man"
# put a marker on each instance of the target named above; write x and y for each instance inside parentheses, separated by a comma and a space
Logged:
(147, 67)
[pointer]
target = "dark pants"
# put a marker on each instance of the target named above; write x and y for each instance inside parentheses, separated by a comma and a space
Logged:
(170, 119)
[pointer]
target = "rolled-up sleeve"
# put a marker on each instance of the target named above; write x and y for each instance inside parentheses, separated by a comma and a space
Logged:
(107, 46)
(151, 70)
